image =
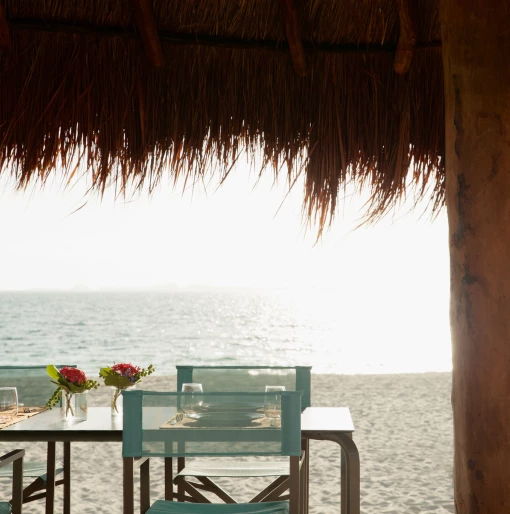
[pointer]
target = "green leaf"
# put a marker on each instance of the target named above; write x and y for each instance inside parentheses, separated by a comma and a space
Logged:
(117, 381)
(105, 372)
(53, 372)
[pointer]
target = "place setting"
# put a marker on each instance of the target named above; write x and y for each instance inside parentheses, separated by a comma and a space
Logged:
(11, 411)
(197, 413)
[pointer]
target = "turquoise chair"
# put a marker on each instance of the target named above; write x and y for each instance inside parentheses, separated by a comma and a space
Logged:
(34, 390)
(200, 475)
(15, 460)
(208, 425)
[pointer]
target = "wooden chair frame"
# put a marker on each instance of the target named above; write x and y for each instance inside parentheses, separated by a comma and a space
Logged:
(294, 483)
(291, 487)
(16, 459)
(40, 489)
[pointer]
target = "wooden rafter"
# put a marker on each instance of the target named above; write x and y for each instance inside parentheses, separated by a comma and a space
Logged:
(5, 37)
(144, 19)
(407, 39)
(297, 54)
(207, 40)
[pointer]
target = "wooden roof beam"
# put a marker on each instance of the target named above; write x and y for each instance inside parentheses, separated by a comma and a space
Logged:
(5, 37)
(407, 38)
(297, 54)
(144, 18)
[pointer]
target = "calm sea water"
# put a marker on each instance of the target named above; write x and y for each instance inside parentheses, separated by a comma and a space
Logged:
(93, 329)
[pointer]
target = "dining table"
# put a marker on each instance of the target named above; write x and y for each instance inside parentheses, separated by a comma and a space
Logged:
(317, 423)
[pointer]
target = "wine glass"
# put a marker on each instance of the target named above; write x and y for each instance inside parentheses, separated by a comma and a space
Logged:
(192, 401)
(8, 403)
(273, 404)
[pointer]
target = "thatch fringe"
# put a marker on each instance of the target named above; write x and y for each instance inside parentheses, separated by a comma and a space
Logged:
(350, 118)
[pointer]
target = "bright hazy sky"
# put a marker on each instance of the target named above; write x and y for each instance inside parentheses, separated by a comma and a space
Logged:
(391, 280)
(236, 235)
(232, 236)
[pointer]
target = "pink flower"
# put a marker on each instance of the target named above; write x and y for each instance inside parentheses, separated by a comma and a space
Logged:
(74, 376)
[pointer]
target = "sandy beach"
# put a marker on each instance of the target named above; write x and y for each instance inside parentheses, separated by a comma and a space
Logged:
(404, 434)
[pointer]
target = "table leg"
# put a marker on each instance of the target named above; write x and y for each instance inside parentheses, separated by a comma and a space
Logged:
(67, 478)
(50, 477)
(350, 502)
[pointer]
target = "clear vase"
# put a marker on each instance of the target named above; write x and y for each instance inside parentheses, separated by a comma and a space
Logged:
(117, 401)
(73, 406)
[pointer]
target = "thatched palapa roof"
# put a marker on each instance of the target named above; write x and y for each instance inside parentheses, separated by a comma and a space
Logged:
(312, 84)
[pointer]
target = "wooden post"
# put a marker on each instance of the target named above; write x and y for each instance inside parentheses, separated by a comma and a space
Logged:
(476, 46)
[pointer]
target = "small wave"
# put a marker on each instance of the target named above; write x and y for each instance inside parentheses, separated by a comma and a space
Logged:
(9, 338)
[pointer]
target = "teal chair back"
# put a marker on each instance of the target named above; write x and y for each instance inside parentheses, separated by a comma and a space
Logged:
(248, 378)
(222, 424)
(32, 382)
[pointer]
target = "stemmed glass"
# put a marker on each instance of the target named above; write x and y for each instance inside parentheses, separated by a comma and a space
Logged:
(273, 404)
(193, 400)
(8, 403)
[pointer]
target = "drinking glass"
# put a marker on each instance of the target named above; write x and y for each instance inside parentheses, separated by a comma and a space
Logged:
(273, 404)
(8, 403)
(192, 401)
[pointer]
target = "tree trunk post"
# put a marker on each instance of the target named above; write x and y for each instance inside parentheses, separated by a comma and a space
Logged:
(476, 56)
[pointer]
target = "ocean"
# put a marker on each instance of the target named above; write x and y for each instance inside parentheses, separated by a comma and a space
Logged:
(213, 326)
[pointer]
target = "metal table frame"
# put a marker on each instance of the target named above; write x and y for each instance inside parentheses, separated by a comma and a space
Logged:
(318, 423)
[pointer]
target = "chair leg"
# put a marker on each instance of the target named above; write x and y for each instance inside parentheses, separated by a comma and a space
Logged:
(305, 475)
(294, 482)
(181, 462)
(50, 477)
(17, 486)
(273, 491)
(67, 478)
(145, 487)
(37, 485)
(209, 485)
(169, 479)
(128, 486)
(196, 495)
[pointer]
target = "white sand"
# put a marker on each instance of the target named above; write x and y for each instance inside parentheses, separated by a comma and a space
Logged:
(403, 433)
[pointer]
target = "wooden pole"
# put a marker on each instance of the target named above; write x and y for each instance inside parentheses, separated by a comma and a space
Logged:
(297, 54)
(144, 19)
(476, 46)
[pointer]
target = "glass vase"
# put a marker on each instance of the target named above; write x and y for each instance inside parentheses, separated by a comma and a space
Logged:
(117, 400)
(73, 406)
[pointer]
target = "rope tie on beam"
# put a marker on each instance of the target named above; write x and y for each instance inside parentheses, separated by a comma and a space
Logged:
(5, 37)
(146, 25)
(297, 54)
(407, 38)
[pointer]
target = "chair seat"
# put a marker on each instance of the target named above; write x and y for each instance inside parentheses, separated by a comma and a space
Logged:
(168, 507)
(31, 470)
(5, 508)
(235, 469)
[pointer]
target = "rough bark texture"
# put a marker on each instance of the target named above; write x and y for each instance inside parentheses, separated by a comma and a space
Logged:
(476, 50)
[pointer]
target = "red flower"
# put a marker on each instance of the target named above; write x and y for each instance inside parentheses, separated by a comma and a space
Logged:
(127, 370)
(73, 375)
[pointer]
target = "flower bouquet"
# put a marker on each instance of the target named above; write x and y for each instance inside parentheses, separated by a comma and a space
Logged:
(122, 376)
(69, 382)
